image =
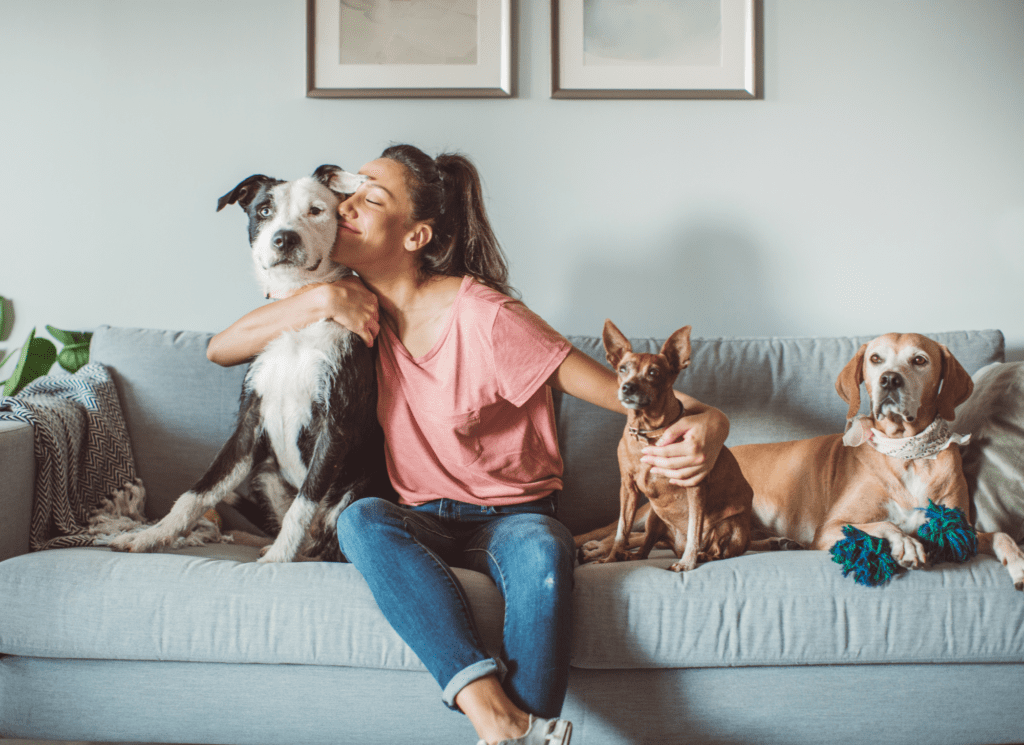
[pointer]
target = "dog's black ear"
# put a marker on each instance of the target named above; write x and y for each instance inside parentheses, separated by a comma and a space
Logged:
(245, 192)
(849, 380)
(677, 349)
(338, 180)
(616, 345)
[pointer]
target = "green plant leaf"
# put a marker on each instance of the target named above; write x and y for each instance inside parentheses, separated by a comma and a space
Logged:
(37, 357)
(6, 318)
(74, 357)
(75, 354)
(69, 337)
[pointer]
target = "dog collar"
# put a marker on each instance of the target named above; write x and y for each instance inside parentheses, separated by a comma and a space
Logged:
(652, 435)
(927, 445)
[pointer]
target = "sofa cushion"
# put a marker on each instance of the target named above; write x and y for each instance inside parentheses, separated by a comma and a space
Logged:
(207, 604)
(791, 608)
(772, 390)
(994, 458)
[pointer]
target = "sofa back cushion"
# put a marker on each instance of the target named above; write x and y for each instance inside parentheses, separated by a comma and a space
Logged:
(180, 407)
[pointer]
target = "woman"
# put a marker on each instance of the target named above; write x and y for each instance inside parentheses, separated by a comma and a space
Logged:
(463, 378)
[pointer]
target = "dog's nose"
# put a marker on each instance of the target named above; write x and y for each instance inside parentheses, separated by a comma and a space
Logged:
(891, 381)
(628, 388)
(286, 241)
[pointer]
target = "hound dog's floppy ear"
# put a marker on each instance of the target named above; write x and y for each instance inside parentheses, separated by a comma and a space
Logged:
(616, 345)
(677, 349)
(338, 180)
(957, 385)
(849, 380)
(245, 192)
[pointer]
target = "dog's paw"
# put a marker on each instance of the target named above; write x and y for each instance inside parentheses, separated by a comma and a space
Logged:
(907, 551)
(592, 551)
(1015, 566)
(679, 566)
(274, 554)
(616, 555)
(686, 564)
(136, 543)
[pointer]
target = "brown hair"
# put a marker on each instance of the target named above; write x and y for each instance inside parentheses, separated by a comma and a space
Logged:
(447, 192)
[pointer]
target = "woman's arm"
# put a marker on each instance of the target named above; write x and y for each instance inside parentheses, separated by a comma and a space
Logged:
(346, 302)
(687, 451)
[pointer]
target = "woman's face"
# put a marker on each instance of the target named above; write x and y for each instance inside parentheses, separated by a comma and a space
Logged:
(375, 223)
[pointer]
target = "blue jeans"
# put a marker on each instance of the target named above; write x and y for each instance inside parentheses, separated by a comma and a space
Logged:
(405, 555)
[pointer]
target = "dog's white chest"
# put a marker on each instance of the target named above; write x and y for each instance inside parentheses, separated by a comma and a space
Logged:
(289, 376)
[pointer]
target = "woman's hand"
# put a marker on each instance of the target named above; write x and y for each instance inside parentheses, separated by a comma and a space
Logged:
(348, 303)
(688, 450)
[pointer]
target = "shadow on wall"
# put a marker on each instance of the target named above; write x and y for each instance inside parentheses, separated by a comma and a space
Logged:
(711, 277)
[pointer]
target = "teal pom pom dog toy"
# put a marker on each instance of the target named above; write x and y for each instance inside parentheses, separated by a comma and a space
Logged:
(947, 536)
(867, 557)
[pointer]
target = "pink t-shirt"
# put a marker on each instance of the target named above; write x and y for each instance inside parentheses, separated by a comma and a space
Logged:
(472, 419)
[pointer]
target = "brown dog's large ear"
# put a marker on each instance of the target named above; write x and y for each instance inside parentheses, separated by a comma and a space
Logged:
(677, 349)
(957, 385)
(849, 380)
(616, 345)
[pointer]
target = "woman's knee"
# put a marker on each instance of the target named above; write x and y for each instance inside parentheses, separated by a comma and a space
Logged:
(544, 550)
(358, 521)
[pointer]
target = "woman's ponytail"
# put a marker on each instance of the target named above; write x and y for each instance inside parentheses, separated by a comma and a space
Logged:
(448, 192)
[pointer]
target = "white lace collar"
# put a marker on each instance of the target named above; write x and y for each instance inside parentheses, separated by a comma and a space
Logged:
(928, 444)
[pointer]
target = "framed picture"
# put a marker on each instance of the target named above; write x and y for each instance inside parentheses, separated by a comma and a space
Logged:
(656, 48)
(410, 48)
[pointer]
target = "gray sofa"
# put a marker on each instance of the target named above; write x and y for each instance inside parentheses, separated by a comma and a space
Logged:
(203, 645)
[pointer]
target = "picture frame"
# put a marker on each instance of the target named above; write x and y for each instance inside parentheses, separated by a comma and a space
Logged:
(403, 48)
(652, 49)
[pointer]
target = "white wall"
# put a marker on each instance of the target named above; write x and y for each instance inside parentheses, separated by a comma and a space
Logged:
(878, 186)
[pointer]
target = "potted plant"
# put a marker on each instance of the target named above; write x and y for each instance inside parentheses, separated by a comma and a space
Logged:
(38, 353)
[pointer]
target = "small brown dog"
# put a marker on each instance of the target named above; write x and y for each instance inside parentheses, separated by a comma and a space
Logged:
(702, 523)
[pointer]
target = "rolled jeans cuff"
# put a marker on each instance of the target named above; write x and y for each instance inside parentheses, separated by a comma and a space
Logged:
(467, 675)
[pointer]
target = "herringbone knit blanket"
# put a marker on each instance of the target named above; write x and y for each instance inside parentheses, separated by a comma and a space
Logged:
(82, 451)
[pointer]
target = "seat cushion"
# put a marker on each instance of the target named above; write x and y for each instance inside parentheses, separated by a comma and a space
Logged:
(207, 604)
(791, 608)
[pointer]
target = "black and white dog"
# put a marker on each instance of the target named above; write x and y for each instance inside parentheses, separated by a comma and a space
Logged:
(307, 429)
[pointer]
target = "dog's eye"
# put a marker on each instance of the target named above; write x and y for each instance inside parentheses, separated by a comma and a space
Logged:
(919, 360)
(875, 359)
(622, 370)
(314, 211)
(264, 212)
(653, 372)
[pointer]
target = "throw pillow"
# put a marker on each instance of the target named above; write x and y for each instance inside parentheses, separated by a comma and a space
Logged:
(994, 458)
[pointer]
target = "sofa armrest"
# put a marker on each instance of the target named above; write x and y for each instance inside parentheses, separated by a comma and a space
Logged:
(17, 484)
